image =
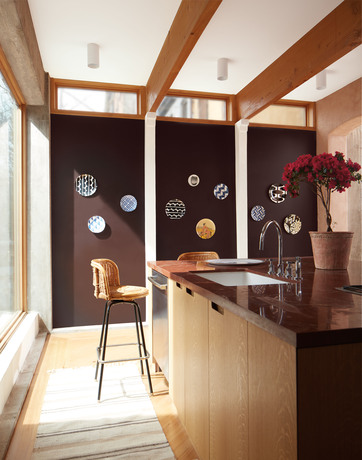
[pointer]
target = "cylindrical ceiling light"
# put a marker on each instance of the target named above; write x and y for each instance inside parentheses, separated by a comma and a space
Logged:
(321, 80)
(222, 69)
(93, 55)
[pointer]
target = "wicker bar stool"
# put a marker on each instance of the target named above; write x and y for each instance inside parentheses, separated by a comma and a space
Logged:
(107, 287)
(201, 255)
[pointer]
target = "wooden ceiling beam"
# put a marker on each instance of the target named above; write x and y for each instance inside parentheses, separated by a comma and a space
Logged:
(333, 37)
(190, 21)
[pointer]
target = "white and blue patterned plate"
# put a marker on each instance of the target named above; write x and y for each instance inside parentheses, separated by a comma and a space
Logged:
(175, 209)
(128, 203)
(258, 213)
(221, 191)
(96, 224)
(86, 185)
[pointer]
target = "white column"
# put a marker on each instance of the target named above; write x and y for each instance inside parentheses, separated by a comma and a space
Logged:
(150, 186)
(241, 186)
(150, 204)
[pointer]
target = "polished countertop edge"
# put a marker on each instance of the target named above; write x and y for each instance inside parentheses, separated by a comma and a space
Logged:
(185, 273)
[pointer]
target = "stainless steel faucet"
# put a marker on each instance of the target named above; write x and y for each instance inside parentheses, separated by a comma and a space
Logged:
(280, 268)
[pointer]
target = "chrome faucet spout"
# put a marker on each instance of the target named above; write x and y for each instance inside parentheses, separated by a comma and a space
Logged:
(280, 243)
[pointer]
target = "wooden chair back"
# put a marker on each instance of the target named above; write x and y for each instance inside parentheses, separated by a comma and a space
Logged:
(105, 276)
(201, 255)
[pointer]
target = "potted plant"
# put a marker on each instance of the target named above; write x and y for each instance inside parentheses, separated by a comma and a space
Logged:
(326, 173)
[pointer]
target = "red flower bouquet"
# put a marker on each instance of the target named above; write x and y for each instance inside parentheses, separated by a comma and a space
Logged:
(326, 172)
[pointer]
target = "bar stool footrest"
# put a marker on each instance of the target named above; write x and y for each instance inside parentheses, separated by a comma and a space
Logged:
(138, 358)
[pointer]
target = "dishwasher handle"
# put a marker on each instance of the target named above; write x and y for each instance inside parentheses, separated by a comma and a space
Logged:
(153, 280)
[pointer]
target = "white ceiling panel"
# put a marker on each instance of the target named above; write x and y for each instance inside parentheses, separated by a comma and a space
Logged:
(130, 33)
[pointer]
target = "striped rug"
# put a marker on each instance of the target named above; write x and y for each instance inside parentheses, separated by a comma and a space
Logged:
(73, 425)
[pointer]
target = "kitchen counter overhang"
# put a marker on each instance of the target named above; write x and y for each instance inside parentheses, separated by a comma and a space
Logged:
(309, 313)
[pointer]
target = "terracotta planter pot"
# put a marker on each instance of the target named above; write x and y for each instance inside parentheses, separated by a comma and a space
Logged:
(331, 250)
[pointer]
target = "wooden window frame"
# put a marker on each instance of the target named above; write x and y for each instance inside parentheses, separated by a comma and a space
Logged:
(21, 174)
(230, 101)
(56, 83)
(310, 113)
(228, 98)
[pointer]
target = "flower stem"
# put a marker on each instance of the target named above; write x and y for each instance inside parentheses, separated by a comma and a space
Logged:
(326, 201)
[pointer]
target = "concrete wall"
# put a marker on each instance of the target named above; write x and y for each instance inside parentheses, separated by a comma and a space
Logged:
(339, 122)
(39, 293)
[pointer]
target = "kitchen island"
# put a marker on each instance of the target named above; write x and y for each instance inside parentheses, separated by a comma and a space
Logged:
(267, 371)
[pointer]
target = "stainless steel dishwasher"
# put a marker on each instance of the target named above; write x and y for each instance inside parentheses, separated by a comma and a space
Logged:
(160, 321)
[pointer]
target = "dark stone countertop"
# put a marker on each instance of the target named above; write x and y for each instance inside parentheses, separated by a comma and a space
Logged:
(319, 315)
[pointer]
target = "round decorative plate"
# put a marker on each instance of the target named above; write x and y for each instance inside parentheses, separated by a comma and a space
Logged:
(221, 191)
(175, 209)
(258, 213)
(96, 224)
(292, 224)
(86, 185)
(277, 193)
(128, 203)
(205, 228)
(193, 180)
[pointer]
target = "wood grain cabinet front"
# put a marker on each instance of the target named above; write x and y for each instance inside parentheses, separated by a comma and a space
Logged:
(228, 385)
(189, 382)
(244, 394)
(272, 408)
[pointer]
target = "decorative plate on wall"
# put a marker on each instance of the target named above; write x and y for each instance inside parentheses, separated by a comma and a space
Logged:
(193, 180)
(175, 209)
(221, 191)
(292, 224)
(277, 193)
(96, 224)
(128, 203)
(205, 228)
(86, 185)
(258, 213)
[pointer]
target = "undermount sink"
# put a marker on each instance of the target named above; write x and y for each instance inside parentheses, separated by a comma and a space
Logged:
(241, 278)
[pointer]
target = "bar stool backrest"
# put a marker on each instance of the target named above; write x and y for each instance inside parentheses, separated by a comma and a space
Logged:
(201, 255)
(105, 276)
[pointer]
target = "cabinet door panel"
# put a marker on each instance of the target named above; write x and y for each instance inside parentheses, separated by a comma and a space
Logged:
(228, 386)
(196, 373)
(272, 397)
(177, 327)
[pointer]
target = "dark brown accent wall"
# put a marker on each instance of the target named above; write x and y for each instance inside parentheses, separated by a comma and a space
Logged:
(269, 150)
(183, 149)
(112, 150)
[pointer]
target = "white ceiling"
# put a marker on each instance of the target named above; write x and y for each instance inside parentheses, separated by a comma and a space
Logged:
(251, 34)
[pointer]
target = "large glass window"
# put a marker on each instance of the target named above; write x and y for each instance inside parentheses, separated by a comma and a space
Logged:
(10, 205)
(93, 100)
(292, 114)
(193, 107)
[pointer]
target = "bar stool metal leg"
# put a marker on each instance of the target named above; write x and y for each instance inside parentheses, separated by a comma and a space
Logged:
(144, 348)
(101, 338)
(138, 334)
(104, 346)
(141, 343)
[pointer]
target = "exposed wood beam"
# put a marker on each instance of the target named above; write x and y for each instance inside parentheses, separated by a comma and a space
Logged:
(333, 37)
(190, 21)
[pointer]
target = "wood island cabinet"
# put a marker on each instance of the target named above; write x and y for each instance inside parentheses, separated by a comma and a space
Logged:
(228, 385)
(272, 409)
(189, 383)
(244, 394)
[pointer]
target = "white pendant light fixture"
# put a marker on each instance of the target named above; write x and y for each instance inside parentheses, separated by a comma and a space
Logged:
(93, 55)
(321, 80)
(222, 69)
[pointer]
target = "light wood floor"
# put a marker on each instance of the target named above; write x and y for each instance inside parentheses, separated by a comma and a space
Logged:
(70, 350)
